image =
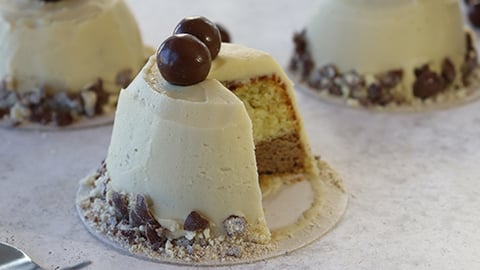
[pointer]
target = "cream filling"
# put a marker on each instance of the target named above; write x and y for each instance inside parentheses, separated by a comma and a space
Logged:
(69, 44)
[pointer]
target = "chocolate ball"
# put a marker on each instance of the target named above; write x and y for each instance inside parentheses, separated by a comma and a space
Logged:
(203, 29)
(224, 33)
(183, 60)
(474, 14)
(469, 2)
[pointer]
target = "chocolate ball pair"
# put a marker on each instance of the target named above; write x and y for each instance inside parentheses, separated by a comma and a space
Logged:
(186, 57)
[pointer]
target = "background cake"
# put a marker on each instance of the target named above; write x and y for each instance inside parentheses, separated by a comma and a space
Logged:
(63, 59)
(385, 52)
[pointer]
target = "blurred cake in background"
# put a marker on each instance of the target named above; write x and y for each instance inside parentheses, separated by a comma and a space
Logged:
(382, 53)
(65, 59)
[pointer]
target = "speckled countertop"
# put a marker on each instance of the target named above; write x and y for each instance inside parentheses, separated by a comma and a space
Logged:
(413, 179)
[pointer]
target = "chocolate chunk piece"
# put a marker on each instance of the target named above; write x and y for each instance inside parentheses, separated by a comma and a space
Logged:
(448, 71)
(130, 235)
(103, 168)
(102, 96)
(62, 118)
(155, 236)
(301, 60)
(377, 94)
(307, 66)
(3, 112)
(120, 204)
(420, 70)
(469, 42)
(8, 99)
(235, 225)
(353, 80)
(335, 90)
(428, 84)
(42, 114)
(391, 78)
(317, 81)
(195, 222)
(294, 63)
(183, 60)
(324, 77)
(204, 29)
(467, 69)
(374, 93)
(300, 42)
(140, 214)
(330, 71)
(34, 98)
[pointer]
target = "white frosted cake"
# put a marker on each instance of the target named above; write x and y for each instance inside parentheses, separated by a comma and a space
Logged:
(63, 59)
(182, 178)
(379, 52)
(201, 136)
(186, 149)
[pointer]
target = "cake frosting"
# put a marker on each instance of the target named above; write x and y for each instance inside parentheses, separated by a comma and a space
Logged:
(371, 41)
(66, 46)
(186, 148)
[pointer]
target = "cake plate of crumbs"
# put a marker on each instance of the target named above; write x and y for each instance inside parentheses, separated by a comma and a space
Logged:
(442, 101)
(318, 206)
(80, 123)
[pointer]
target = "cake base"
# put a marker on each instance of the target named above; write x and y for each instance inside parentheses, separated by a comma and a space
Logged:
(80, 123)
(446, 100)
(318, 206)
(47, 109)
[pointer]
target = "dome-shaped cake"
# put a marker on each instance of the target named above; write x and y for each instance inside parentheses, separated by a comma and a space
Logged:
(63, 59)
(385, 52)
(203, 134)
(217, 145)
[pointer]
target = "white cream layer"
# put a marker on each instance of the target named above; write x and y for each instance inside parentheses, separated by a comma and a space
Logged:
(374, 36)
(69, 44)
(187, 149)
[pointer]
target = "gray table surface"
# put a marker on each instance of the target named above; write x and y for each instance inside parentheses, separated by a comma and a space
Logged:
(412, 178)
